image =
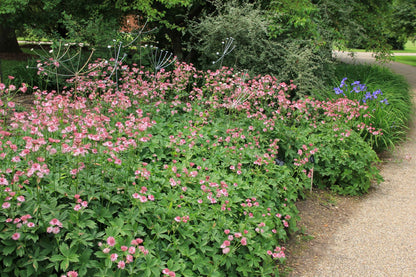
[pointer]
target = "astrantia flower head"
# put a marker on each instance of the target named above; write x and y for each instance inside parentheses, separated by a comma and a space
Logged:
(111, 241)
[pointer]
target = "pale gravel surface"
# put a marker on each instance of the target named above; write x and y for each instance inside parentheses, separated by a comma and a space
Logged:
(379, 239)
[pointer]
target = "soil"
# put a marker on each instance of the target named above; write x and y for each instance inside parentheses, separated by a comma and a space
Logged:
(321, 214)
(24, 100)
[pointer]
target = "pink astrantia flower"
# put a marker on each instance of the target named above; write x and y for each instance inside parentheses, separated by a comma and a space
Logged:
(16, 236)
(111, 241)
(121, 264)
(243, 241)
(113, 257)
(3, 181)
(225, 244)
(132, 250)
(55, 222)
(129, 258)
(169, 273)
(21, 198)
(72, 274)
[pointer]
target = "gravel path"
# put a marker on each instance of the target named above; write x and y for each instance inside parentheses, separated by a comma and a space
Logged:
(379, 239)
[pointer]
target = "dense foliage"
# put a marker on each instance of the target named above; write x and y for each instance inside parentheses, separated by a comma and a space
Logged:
(391, 106)
(297, 35)
(403, 23)
(289, 56)
(182, 172)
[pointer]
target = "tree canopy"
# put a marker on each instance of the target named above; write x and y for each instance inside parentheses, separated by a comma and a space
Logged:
(369, 23)
(295, 37)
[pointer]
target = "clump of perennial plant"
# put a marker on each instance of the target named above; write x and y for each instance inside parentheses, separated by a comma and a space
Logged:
(170, 173)
(381, 115)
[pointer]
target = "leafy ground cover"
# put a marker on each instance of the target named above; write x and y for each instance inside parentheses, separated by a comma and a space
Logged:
(178, 173)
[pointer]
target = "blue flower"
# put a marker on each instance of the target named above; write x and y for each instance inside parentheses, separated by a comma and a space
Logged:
(384, 101)
(367, 96)
(338, 91)
(377, 92)
(343, 82)
(356, 89)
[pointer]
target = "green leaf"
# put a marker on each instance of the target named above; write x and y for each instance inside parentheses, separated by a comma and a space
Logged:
(7, 261)
(8, 249)
(65, 264)
(35, 265)
(56, 258)
(64, 249)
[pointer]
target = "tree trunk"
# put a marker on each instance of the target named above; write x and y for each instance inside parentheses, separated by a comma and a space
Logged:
(8, 40)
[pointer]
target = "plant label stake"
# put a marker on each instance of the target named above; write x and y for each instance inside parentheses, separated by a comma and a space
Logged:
(312, 161)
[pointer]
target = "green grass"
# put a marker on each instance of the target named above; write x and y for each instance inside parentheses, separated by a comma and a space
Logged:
(410, 60)
(8, 66)
(410, 47)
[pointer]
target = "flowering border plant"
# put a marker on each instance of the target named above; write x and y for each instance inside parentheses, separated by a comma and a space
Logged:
(171, 173)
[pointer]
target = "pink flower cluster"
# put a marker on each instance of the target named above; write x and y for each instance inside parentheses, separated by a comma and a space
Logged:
(80, 203)
(227, 243)
(142, 195)
(305, 154)
(23, 220)
(128, 253)
(168, 272)
(71, 274)
(55, 226)
(277, 253)
(182, 219)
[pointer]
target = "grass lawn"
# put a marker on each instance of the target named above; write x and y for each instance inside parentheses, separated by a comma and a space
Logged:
(410, 60)
(8, 66)
(409, 47)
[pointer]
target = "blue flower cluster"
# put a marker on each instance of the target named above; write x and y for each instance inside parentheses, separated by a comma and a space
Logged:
(357, 87)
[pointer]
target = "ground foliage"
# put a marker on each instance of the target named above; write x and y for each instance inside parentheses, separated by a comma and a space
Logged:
(181, 172)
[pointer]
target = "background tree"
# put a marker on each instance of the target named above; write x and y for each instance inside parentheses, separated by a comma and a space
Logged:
(291, 39)
(402, 25)
(53, 18)
(14, 14)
